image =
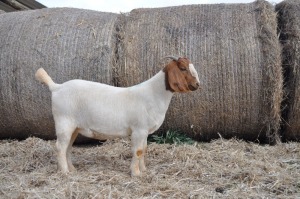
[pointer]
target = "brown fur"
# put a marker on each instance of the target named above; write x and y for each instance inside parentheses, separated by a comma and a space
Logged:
(179, 77)
(139, 153)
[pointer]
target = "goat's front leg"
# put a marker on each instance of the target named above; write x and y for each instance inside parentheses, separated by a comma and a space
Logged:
(142, 159)
(138, 140)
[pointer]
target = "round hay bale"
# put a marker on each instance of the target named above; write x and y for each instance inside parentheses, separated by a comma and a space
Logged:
(289, 29)
(236, 52)
(68, 43)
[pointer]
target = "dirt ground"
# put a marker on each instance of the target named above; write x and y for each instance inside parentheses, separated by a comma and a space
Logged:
(219, 169)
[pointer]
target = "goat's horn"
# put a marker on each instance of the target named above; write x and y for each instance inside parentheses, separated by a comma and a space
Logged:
(173, 58)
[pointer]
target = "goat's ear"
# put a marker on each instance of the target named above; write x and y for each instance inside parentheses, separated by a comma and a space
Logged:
(175, 79)
(183, 61)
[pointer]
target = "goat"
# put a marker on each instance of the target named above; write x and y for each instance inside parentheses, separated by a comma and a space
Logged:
(102, 111)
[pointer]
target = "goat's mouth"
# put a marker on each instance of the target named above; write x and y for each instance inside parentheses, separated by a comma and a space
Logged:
(193, 87)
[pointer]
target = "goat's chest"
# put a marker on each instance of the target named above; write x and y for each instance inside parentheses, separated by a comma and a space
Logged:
(154, 122)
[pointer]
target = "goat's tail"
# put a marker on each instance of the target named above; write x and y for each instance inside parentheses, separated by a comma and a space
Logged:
(42, 76)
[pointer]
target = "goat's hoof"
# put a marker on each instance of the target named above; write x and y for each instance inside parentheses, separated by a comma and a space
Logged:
(143, 169)
(135, 174)
(63, 171)
(72, 169)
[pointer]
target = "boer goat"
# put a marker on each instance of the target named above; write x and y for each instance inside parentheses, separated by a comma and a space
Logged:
(102, 111)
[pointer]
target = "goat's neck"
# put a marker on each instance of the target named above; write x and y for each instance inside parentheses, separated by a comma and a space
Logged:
(156, 93)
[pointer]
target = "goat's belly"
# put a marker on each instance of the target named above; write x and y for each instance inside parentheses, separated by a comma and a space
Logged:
(96, 134)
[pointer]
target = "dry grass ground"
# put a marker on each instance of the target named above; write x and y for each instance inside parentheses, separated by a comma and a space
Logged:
(220, 169)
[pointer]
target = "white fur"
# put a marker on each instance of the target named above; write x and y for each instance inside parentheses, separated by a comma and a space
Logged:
(193, 71)
(101, 111)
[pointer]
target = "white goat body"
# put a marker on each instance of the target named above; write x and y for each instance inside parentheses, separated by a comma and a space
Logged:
(101, 111)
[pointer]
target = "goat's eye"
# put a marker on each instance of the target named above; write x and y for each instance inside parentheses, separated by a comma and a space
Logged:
(183, 69)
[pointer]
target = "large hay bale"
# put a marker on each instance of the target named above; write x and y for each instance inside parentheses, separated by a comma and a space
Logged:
(289, 29)
(235, 49)
(68, 43)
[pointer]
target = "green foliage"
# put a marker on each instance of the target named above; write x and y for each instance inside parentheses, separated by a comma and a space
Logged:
(171, 137)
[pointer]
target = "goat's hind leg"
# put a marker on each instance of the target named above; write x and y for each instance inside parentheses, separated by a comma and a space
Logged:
(69, 149)
(64, 132)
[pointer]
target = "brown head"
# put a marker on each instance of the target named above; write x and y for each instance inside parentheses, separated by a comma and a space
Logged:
(181, 75)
